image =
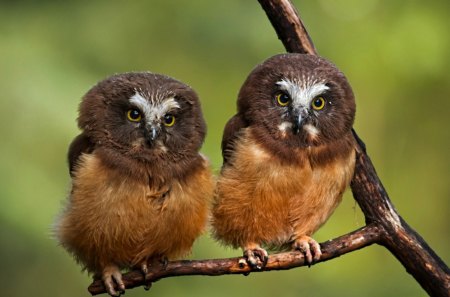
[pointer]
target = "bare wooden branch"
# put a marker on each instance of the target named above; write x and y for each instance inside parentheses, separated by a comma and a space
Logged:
(282, 261)
(397, 236)
(384, 225)
(289, 27)
(403, 242)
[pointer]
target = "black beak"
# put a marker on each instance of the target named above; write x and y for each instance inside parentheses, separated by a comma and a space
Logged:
(298, 123)
(152, 132)
(299, 120)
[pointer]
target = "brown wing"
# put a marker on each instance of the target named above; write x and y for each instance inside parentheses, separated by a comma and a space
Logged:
(230, 133)
(81, 144)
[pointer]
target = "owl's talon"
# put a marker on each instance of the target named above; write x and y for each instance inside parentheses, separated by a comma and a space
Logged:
(309, 247)
(256, 257)
(242, 263)
(144, 270)
(315, 247)
(147, 286)
(112, 275)
(147, 281)
(164, 261)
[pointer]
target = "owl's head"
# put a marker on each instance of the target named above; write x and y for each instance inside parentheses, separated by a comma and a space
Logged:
(300, 100)
(143, 115)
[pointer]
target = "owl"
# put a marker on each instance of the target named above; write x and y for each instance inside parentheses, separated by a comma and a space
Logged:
(288, 157)
(141, 191)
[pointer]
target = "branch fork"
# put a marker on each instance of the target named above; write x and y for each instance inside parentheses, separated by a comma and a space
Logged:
(384, 225)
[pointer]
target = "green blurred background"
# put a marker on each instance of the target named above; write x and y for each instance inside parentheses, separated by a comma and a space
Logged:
(395, 54)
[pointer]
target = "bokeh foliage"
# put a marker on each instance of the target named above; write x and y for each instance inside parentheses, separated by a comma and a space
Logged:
(395, 54)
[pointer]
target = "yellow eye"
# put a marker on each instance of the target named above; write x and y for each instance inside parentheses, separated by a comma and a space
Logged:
(169, 120)
(134, 115)
(283, 99)
(318, 103)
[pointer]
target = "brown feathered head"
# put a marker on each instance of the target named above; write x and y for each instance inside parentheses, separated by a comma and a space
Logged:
(298, 100)
(143, 116)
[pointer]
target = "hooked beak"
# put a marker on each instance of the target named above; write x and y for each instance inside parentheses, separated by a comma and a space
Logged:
(299, 121)
(152, 132)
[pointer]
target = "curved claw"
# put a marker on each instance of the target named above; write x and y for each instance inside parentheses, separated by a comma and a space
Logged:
(111, 275)
(163, 260)
(256, 257)
(144, 270)
(309, 247)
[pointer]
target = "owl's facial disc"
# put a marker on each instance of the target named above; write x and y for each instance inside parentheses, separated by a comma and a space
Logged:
(155, 113)
(305, 101)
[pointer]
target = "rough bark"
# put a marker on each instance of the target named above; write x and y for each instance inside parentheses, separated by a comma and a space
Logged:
(384, 224)
(401, 240)
(282, 261)
(397, 236)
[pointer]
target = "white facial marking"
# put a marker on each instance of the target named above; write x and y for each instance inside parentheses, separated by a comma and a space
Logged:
(161, 146)
(313, 131)
(302, 92)
(284, 126)
(153, 111)
(141, 103)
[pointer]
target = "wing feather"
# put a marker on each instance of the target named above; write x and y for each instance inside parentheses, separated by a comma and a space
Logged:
(230, 134)
(81, 144)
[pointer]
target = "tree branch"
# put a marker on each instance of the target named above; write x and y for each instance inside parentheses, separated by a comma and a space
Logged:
(401, 240)
(398, 237)
(289, 27)
(384, 225)
(282, 261)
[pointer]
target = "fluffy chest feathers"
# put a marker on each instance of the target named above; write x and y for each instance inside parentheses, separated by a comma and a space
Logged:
(274, 199)
(111, 216)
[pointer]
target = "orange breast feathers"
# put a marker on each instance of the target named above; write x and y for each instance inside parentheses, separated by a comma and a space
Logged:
(112, 219)
(261, 200)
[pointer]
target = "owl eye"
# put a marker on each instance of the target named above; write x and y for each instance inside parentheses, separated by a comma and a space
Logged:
(282, 98)
(134, 115)
(169, 120)
(318, 103)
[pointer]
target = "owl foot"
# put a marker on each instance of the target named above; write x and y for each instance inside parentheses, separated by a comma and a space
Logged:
(309, 247)
(256, 257)
(111, 275)
(144, 270)
(164, 261)
(151, 262)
